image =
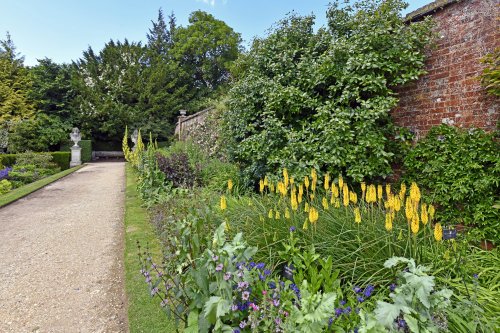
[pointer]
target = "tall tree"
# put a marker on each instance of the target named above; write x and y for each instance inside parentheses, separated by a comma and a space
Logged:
(206, 48)
(15, 85)
(160, 36)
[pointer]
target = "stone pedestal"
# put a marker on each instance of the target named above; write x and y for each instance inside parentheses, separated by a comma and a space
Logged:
(76, 156)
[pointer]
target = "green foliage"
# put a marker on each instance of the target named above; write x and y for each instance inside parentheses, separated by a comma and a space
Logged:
(322, 99)
(61, 159)
(415, 301)
(86, 145)
(8, 160)
(460, 171)
(40, 133)
(15, 85)
(5, 186)
(490, 77)
(39, 160)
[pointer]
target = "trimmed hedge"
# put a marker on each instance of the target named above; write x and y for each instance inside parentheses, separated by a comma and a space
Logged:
(86, 149)
(60, 158)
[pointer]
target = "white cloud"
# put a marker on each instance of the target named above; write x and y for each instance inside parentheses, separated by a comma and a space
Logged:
(212, 2)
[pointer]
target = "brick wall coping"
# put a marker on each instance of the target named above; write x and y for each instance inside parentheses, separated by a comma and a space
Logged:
(429, 9)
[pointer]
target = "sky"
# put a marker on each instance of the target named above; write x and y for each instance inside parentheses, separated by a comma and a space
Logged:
(62, 29)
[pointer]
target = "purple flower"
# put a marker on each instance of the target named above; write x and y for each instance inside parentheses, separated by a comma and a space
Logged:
(347, 310)
(360, 299)
(401, 323)
(357, 289)
(267, 272)
(392, 287)
(245, 295)
(215, 258)
(292, 229)
(276, 302)
(260, 265)
(234, 307)
(219, 267)
(236, 330)
(369, 290)
(338, 312)
(242, 285)
(277, 321)
(154, 291)
(330, 322)
(243, 324)
(475, 276)
(227, 276)
(262, 277)
(164, 303)
(251, 265)
(343, 302)
(356, 330)
(148, 279)
(271, 285)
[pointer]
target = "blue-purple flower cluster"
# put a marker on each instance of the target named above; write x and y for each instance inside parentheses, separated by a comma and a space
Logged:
(4, 173)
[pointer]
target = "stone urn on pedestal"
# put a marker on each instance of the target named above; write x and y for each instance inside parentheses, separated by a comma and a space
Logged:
(76, 151)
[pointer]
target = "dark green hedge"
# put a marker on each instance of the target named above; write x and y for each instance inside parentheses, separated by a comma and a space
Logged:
(86, 149)
(60, 158)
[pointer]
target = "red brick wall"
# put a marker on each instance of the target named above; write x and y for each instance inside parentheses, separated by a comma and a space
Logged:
(451, 92)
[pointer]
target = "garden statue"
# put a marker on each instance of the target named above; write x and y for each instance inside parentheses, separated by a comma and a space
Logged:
(76, 151)
(75, 136)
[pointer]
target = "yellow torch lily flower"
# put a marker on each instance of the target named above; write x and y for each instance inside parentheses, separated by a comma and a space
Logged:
(261, 186)
(230, 185)
(414, 192)
(326, 184)
(324, 202)
(277, 215)
(423, 214)
(306, 182)
(345, 192)
(357, 215)
(306, 207)
(313, 215)
(402, 191)
(353, 197)
(431, 211)
(380, 192)
(223, 203)
(371, 194)
(341, 182)
(438, 232)
(415, 224)
(363, 190)
(270, 214)
(388, 222)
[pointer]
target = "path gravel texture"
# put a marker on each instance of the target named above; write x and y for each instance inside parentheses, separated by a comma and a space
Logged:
(61, 255)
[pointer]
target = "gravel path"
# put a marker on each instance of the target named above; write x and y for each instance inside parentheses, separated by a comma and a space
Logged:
(61, 255)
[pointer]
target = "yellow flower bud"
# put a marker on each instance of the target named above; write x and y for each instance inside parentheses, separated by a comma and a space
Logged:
(306, 207)
(402, 192)
(363, 190)
(438, 232)
(223, 203)
(261, 186)
(415, 224)
(327, 181)
(306, 182)
(230, 185)
(270, 215)
(357, 215)
(341, 182)
(380, 193)
(353, 197)
(423, 214)
(324, 202)
(277, 215)
(431, 211)
(345, 192)
(388, 222)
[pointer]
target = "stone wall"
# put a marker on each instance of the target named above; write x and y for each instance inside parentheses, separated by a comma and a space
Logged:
(186, 124)
(451, 92)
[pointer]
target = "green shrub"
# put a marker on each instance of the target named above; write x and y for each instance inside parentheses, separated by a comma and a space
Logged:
(86, 146)
(8, 160)
(5, 186)
(62, 159)
(39, 160)
(304, 99)
(215, 175)
(460, 172)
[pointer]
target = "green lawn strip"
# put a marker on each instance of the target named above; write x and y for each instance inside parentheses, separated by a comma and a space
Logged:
(23, 191)
(144, 313)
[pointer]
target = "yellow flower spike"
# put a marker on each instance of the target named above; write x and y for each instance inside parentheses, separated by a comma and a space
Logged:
(292, 181)
(402, 192)
(266, 181)
(363, 190)
(261, 186)
(423, 213)
(353, 197)
(327, 181)
(306, 207)
(287, 214)
(261, 218)
(357, 215)
(337, 203)
(335, 190)
(270, 214)
(305, 226)
(324, 202)
(388, 192)
(431, 211)
(371, 194)
(438, 232)
(277, 216)
(313, 215)
(409, 210)
(230, 185)
(341, 182)
(293, 201)
(311, 196)
(313, 184)
(306, 182)
(388, 222)
(345, 192)
(314, 175)
(380, 193)
(415, 224)
(223, 203)
(390, 201)
(397, 203)
(414, 192)
(285, 177)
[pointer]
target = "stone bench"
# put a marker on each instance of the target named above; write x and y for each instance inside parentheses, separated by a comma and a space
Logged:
(103, 154)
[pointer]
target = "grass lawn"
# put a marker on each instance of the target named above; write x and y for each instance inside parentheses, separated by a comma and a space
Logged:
(23, 191)
(144, 314)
